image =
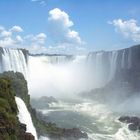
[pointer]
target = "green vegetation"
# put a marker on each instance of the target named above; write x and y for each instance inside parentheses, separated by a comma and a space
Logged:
(12, 84)
(9, 124)
(18, 87)
(18, 84)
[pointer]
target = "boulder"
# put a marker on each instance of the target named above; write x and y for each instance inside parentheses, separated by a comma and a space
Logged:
(29, 136)
(133, 122)
(133, 127)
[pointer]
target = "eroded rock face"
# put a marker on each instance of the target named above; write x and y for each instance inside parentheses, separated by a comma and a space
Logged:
(25, 135)
(29, 136)
(69, 134)
(133, 122)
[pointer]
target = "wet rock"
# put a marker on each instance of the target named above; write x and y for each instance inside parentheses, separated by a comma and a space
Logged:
(124, 119)
(29, 136)
(23, 134)
(23, 126)
(75, 132)
(133, 122)
(127, 119)
(70, 134)
(133, 127)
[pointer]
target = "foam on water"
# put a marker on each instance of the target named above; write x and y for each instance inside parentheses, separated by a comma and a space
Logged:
(109, 128)
(43, 138)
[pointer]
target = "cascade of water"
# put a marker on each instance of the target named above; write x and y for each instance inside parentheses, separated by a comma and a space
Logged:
(129, 58)
(113, 64)
(13, 60)
(98, 60)
(25, 117)
(58, 59)
(123, 60)
(80, 59)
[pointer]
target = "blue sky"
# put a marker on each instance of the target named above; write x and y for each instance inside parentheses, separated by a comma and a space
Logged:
(69, 25)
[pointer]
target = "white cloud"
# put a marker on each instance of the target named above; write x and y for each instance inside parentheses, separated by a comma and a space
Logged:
(19, 38)
(5, 33)
(8, 33)
(11, 42)
(60, 29)
(41, 2)
(11, 38)
(7, 42)
(1, 28)
(8, 39)
(128, 28)
(35, 43)
(16, 29)
(61, 17)
(37, 39)
(40, 38)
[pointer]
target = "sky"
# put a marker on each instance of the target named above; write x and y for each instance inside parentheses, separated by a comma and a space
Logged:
(69, 26)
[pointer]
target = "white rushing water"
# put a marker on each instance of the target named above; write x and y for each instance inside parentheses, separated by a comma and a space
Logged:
(130, 58)
(123, 60)
(25, 117)
(97, 119)
(13, 60)
(113, 64)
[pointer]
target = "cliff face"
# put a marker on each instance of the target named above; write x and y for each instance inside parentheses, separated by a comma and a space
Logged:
(130, 73)
(128, 68)
(121, 73)
(10, 127)
(119, 67)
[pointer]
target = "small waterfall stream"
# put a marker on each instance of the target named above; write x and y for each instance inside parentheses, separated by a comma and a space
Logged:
(25, 117)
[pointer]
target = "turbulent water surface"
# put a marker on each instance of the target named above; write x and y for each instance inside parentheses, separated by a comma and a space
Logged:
(98, 120)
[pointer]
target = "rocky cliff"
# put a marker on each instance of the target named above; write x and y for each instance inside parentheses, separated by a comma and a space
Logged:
(10, 127)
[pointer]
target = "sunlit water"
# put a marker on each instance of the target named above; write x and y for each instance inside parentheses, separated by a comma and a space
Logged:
(92, 117)
(25, 117)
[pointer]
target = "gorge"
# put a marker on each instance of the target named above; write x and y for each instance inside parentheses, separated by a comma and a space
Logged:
(92, 90)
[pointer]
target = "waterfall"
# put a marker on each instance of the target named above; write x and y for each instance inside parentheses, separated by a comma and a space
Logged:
(129, 58)
(25, 117)
(113, 64)
(123, 60)
(126, 63)
(59, 59)
(13, 60)
(98, 65)
(80, 59)
(54, 59)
